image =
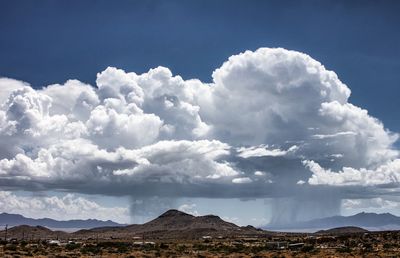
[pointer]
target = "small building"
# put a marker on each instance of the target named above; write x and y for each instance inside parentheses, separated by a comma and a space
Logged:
(54, 242)
(207, 237)
(141, 243)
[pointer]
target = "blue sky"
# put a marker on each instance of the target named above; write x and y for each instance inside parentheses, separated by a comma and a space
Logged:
(52, 41)
(294, 151)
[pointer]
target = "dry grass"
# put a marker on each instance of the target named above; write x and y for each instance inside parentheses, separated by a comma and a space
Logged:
(376, 244)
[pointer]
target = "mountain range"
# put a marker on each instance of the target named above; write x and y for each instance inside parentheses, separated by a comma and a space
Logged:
(172, 224)
(16, 219)
(370, 221)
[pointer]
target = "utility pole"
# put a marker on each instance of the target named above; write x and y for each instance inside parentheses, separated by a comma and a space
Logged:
(5, 237)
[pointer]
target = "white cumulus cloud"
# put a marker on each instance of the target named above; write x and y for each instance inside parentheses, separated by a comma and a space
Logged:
(388, 173)
(156, 134)
(66, 207)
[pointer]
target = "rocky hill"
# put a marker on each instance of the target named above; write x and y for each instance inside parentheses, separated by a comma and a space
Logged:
(174, 224)
(33, 233)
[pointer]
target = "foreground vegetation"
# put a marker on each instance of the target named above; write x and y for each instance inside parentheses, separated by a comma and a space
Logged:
(371, 244)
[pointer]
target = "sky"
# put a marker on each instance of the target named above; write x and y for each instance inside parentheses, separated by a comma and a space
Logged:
(256, 111)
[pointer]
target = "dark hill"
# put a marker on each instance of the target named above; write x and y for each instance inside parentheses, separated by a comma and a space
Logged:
(177, 224)
(177, 220)
(342, 230)
(33, 233)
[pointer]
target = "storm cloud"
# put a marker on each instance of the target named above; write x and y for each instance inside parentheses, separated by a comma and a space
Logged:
(272, 123)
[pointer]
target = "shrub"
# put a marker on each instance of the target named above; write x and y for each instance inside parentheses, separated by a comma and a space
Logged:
(123, 249)
(164, 246)
(344, 250)
(11, 247)
(90, 249)
(72, 246)
(307, 248)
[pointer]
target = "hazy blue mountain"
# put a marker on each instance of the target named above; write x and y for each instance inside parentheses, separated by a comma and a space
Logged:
(16, 219)
(371, 221)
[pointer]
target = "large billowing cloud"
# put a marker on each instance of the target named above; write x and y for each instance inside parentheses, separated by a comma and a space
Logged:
(273, 123)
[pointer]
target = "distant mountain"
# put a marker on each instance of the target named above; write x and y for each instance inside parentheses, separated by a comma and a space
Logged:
(176, 224)
(177, 220)
(370, 221)
(342, 230)
(16, 220)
